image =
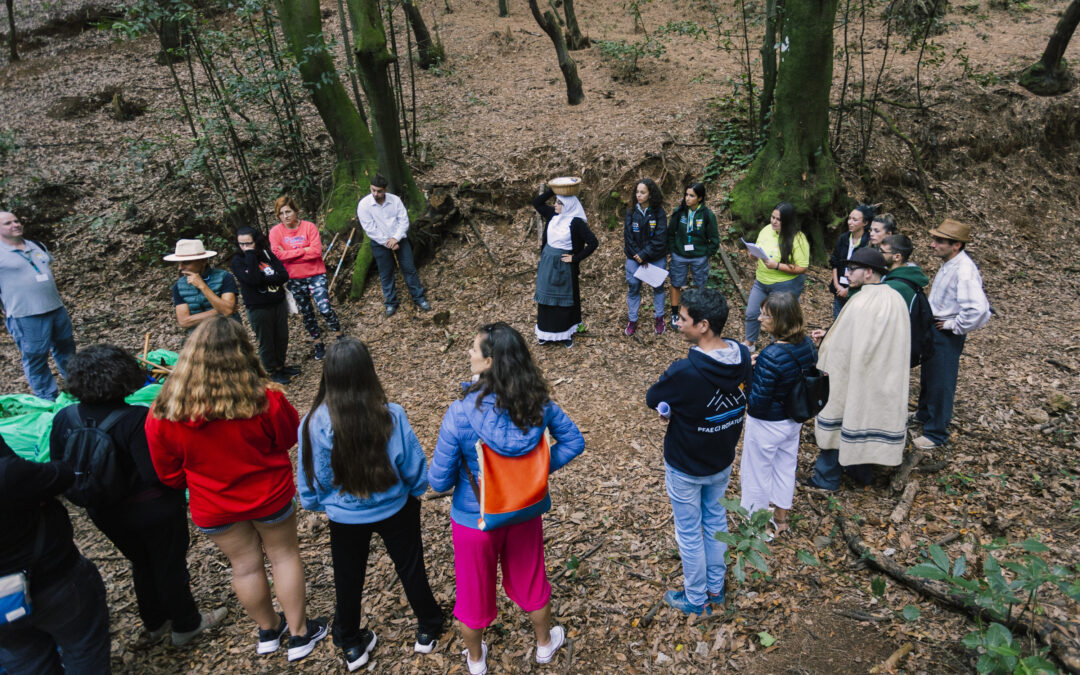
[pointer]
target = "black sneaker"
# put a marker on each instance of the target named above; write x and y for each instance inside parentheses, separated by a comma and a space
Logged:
(391, 310)
(299, 647)
(356, 657)
(291, 371)
(281, 377)
(423, 304)
(320, 351)
(568, 342)
(425, 642)
(270, 640)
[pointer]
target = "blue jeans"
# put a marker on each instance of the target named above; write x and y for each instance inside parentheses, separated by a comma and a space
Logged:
(758, 293)
(827, 471)
(384, 259)
(69, 613)
(698, 516)
(937, 385)
(36, 336)
(633, 290)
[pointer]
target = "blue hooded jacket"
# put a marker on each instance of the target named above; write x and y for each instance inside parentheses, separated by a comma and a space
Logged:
(775, 374)
(406, 458)
(464, 423)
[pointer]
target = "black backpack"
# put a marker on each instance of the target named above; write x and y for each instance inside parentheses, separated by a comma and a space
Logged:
(922, 325)
(809, 393)
(102, 475)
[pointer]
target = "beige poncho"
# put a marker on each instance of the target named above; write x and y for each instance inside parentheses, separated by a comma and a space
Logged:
(866, 354)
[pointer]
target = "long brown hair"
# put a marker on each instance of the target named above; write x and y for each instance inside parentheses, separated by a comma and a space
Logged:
(218, 376)
(519, 387)
(788, 323)
(360, 421)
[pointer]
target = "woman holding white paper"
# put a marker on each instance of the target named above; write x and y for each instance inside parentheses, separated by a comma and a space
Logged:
(784, 269)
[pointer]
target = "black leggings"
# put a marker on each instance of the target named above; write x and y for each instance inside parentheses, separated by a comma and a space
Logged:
(349, 546)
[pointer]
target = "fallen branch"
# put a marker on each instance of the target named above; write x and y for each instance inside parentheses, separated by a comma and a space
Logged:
(900, 513)
(651, 614)
(890, 664)
(480, 237)
(903, 474)
(860, 616)
(1063, 366)
(734, 275)
(1063, 641)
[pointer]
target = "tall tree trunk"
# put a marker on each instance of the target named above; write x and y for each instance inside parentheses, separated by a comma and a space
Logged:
(547, 22)
(1050, 76)
(796, 164)
(431, 51)
(172, 27)
(13, 43)
(574, 39)
(768, 61)
(354, 147)
(504, 7)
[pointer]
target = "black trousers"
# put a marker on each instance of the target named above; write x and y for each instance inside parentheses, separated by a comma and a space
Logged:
(271, 326)
(349, 546)
(153, 535)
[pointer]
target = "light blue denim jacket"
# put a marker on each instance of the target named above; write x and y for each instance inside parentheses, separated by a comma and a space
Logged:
(406, 457)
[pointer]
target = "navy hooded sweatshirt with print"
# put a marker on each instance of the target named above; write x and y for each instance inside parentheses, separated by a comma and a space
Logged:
(707, 397)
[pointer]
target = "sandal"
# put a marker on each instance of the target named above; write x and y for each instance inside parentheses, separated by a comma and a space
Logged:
(778, 530)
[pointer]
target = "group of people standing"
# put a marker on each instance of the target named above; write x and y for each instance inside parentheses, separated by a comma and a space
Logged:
(222, 428)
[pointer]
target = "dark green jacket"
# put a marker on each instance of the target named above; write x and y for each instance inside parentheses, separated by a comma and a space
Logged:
(913, 274)
(703, 233)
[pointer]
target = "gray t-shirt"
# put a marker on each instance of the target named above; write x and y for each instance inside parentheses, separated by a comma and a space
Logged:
(27, 286)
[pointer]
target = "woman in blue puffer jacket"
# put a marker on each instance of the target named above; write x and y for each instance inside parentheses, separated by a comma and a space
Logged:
(771, 439)
(508, 407)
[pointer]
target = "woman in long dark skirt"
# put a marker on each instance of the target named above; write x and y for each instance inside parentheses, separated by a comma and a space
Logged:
(567, 240)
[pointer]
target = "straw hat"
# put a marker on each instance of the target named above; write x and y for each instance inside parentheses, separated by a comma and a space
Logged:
(568, 186)
(189, 249)
(952, 229)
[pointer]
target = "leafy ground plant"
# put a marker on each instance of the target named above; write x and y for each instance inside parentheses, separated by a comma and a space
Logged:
(745, 538)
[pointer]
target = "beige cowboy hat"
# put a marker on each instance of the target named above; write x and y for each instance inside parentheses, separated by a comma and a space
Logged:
(952, 229)
(189, 249)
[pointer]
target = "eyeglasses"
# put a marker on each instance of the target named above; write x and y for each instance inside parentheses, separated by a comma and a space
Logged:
(763, 316)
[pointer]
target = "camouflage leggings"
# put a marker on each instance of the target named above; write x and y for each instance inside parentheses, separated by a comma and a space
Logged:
(313, 288)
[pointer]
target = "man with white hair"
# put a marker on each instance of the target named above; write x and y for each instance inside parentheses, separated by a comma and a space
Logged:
(33, 311)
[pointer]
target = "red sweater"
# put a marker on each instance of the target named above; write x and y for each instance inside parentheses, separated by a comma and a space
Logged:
(235, 470)
(288, 245)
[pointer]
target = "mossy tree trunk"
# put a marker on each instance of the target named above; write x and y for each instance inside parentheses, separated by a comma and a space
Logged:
(430, 51)
(354, 147)
(547, 21)
(574, 39)
(796, 164)
(13, 45)
(1050, 76)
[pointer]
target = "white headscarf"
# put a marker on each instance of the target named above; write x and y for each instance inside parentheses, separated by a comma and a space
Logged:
(558, 234)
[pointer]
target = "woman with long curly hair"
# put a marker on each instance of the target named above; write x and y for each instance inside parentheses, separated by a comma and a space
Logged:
(222, 429)
(361, 463)
(506, 406)
(645, 243)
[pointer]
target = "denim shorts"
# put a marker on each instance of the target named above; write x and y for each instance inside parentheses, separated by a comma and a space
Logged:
(696, 268)
(272, 519)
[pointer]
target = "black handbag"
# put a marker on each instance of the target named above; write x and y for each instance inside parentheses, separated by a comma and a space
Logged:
(808, 394)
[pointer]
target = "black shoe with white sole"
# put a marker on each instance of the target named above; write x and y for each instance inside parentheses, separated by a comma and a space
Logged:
(425, 642)
(270, 640)
(301, 646)
(356, 657)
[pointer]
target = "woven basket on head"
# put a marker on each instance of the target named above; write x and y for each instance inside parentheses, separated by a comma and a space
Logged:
(568, 186)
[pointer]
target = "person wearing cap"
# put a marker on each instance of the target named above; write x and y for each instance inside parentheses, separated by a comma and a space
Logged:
(866, 354)
(33, 311)
(202, 291)
(960, 306)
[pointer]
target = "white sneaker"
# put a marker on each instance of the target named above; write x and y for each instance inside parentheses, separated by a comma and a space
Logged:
(208, 620)
(924, 443)
(477, 667)
(544, 654)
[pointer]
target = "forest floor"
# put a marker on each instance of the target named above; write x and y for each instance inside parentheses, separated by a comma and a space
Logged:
(494, 123)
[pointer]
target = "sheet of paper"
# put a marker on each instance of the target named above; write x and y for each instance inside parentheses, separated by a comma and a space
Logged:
(756, 250)
(652, 275)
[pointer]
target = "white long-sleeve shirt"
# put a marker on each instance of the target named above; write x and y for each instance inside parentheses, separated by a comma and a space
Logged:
(957, 297)
(385, 221)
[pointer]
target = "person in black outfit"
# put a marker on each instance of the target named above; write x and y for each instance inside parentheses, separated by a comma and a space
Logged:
(149, 526)
(262, 280)
(857, 236)
(566, 241)
(67, 593)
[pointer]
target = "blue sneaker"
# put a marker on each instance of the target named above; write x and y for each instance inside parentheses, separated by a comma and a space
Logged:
(677, 599)
(716, 599)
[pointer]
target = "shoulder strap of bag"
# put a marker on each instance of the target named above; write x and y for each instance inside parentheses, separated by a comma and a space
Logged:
(795, 358)
(916, 287)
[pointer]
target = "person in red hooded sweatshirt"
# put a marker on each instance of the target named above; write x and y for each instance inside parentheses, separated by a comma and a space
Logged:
(222, 429)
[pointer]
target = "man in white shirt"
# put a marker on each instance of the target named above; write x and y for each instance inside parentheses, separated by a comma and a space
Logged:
(384, 219)
(960, 306)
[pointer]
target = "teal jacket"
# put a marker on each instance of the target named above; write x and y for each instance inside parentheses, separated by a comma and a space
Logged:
(703, 234)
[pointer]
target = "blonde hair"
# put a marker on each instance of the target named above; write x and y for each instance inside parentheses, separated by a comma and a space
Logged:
(282, 202)
(218, 376)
